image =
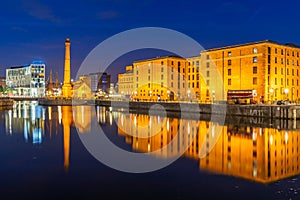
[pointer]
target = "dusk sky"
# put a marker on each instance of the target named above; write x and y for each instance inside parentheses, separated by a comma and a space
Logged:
(35, 29)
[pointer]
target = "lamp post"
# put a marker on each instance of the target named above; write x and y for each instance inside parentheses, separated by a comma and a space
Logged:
(271, 94)
(213, 95)
(286, 91)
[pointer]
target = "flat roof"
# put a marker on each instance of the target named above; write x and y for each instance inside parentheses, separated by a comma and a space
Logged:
(252, 43)
(158, 57)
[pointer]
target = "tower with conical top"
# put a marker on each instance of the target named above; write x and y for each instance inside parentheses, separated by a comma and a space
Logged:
(67, 86)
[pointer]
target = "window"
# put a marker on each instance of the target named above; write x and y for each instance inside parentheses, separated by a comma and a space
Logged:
(197, 63)
(275, 70)
(275, 50)
(254, 70)
(229, 53)
(287, 82)
(275, 81)
(229, 81)
(287, 71)
(229, 62)
(293, 72)
(148, 78)
(255, 59)
(293, 82)
(254, 50)
(148, 71)
(287, 61)
(207, 73)
(171, 76)
(172, 63)
(207, 65)
(254, 80)
(137, 72)
(197, 84)
(281, 81)
(162, 77)
(281, 51)
(275, 59)
(207, 57)
(207, 82)
(229, 72)
(281, 71)
(269, 50)
(162, 69)
(179, 64)
(162, 62)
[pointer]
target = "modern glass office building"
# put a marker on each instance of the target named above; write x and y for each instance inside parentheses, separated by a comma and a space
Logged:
(28, 80)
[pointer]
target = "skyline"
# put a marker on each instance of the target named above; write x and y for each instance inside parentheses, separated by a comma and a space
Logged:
(33, 30)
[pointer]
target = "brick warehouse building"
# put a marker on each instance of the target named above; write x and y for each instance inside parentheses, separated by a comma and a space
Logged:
(269, 68)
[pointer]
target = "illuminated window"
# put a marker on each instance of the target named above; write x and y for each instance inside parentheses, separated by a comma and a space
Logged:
(254, 80)
(229, 53)
(255, 59)
(254, 50)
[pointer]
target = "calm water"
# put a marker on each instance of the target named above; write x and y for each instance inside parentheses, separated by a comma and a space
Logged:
(42, 156)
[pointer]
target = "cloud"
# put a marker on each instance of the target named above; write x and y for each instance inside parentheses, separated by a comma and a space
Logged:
(109, 14)
(40, 11)
(19, 29)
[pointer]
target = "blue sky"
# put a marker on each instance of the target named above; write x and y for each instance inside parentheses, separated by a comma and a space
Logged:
(36, 29)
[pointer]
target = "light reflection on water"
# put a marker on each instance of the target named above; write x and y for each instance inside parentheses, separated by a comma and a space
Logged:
(264, 155)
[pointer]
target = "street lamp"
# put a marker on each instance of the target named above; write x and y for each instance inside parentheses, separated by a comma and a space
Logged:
(286, 91)
(213, 95)
(271, 93)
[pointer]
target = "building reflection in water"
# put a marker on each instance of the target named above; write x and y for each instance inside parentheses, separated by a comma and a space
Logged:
(27, 118)
(260, 154)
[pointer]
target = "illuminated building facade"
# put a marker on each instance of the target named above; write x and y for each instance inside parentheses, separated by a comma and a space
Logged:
(27, 80)
(125, 82)
(268, 68)
(158, 79)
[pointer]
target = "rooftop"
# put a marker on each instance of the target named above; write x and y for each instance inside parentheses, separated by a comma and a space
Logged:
(252, 43)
